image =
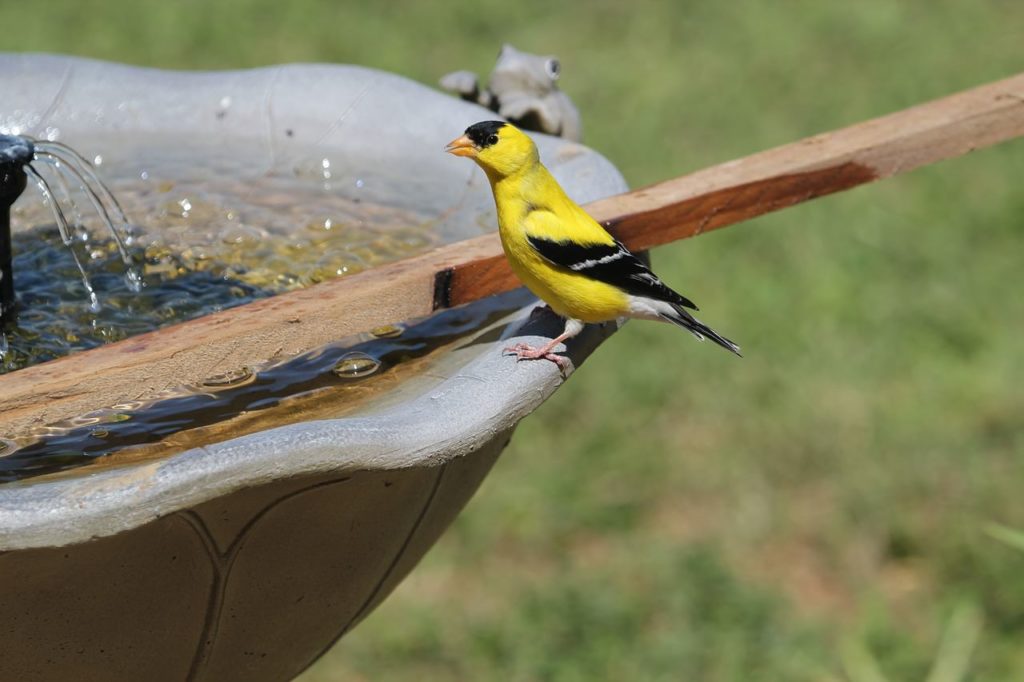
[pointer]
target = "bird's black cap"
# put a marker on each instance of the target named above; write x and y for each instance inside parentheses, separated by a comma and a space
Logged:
(482, 133)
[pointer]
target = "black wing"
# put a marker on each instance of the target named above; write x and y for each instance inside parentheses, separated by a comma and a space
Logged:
(609, 263)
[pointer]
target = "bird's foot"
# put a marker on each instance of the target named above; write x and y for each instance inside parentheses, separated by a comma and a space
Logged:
(525, 351)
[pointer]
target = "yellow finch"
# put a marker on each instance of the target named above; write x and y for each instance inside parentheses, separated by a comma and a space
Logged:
(562, 254)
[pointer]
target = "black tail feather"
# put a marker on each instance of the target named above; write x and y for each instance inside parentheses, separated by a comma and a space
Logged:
(691, 324)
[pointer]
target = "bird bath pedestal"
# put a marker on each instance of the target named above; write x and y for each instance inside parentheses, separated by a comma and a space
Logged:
(247, 558)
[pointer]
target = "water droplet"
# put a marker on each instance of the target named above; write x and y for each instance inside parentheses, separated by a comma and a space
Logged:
(94, 302)
(225, 102)
(133, 280)
(356, 365)
(7, 446)
(387, 331)
(99, 433)
(359, 183)
(51, 133)
(144, 175)
(241, 234)
(328, 224)
(230, 379)
(97, 160)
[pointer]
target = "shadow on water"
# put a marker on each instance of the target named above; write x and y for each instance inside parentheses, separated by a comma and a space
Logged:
(330, 376)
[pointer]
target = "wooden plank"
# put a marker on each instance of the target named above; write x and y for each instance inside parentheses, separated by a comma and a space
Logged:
(784, 176)
(683, 207)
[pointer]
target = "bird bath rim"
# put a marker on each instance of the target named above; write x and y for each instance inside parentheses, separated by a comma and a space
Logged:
(485, 397)
(276, 108)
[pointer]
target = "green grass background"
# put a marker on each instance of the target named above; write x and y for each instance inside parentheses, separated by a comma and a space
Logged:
(815, 511)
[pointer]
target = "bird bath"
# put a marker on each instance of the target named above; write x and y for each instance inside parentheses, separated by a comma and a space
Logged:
(244, 549)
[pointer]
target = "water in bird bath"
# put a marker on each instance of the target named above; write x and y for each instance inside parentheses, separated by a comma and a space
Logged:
(326, 383)
(210, 231)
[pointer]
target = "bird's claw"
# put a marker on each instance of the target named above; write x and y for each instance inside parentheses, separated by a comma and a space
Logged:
(525, 351)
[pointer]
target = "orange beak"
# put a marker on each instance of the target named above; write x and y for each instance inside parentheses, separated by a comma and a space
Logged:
(462, 146)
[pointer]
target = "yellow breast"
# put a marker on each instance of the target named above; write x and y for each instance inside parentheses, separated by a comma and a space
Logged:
(569, 293)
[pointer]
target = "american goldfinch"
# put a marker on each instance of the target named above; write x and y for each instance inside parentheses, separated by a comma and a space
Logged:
(562, 254)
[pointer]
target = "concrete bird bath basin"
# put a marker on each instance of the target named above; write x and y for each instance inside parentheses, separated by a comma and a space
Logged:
(247, 556)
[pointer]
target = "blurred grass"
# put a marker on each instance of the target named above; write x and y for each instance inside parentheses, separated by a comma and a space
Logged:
(815, 511)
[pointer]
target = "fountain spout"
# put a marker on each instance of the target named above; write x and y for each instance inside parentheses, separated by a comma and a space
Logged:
(15, 154)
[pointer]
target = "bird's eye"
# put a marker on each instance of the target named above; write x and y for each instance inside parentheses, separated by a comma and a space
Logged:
(492, 139)
(553, 67)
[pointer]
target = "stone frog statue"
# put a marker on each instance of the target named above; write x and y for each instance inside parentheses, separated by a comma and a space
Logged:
(523, 89)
